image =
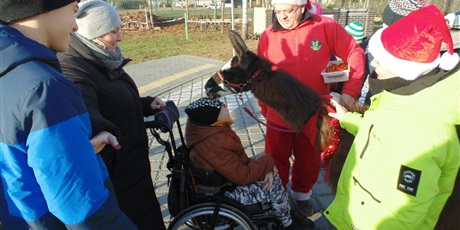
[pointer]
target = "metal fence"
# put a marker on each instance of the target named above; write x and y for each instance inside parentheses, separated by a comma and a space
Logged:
(176, 8)
(446, 6)
(146, 13)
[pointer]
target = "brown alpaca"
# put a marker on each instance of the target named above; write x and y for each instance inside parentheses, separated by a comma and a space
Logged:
(293, 100)
(297, 103)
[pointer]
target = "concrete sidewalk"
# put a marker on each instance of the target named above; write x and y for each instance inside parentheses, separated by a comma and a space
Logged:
(181, 79)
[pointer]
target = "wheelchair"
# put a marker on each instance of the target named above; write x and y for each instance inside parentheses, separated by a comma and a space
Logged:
(196, 197)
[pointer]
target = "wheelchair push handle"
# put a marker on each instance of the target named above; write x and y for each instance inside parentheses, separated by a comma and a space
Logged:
(164, 118)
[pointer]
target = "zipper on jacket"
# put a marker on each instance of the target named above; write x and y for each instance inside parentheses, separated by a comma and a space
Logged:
(367, 142)
(367, 191)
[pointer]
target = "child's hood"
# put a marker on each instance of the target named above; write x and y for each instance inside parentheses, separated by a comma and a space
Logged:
(196, 133)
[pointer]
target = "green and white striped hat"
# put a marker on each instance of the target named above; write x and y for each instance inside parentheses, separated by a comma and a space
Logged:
(356, 30)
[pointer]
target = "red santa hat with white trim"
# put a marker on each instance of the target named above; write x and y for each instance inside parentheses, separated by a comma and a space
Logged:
(305, 3)
(411, 46)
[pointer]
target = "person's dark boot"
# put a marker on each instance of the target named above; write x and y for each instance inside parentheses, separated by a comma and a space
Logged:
(305, 207)
(291, 227)
(294, 226)
(301, 222)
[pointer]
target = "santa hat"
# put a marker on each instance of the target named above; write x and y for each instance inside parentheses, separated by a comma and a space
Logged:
(315, 8)
(411, 46)
(305, 3)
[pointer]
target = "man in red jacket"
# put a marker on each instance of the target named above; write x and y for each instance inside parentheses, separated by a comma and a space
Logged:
(302, 43)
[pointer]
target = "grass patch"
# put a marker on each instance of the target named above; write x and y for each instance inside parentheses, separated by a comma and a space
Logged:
(170, 41)
(143, 46)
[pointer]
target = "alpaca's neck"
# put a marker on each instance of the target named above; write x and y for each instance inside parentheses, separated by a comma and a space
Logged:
(293, 100)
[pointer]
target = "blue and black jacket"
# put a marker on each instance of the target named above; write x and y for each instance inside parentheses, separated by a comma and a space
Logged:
(50, 174)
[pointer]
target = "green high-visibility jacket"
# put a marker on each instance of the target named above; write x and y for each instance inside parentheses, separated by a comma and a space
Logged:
(403, 163)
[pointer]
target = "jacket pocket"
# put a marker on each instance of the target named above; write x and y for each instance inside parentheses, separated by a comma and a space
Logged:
(367, 142)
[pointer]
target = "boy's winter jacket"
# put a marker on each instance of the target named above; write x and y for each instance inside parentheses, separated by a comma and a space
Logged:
(50, 173)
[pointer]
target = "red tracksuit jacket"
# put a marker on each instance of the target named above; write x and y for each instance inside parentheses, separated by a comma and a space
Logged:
(305, 51)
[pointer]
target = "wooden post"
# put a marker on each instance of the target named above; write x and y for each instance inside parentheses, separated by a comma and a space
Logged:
(150, 12)
(244, 22)
(187, 9)
(222, 17)
(186, 25)
(146, 18)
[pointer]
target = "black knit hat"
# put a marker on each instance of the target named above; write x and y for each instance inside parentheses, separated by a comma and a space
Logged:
(13, 10)
(204, 111)
(397, 9)
(389, 17)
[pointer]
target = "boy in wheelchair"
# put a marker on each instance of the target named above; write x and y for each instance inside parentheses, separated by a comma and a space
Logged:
(215, 146)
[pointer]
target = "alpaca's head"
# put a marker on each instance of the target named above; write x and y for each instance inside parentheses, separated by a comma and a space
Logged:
(236, 75)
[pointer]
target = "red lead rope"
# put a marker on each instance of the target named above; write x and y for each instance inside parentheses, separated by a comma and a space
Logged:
(268, 126)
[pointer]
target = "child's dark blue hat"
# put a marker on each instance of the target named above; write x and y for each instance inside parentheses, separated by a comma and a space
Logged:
(204, 111)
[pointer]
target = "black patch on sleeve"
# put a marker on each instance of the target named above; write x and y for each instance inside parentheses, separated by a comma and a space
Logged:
(408, 180)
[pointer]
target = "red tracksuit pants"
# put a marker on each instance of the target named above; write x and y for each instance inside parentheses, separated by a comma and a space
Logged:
(306, 166)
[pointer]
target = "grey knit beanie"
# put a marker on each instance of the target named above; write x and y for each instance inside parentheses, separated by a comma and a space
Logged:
(96, 18)
(14, 10)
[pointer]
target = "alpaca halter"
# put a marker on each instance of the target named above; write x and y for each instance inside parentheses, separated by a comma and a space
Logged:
(241, 86)
(230, 85)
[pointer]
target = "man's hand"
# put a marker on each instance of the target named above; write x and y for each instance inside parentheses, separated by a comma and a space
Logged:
(103, 138)
(339, 110)
(157, 103)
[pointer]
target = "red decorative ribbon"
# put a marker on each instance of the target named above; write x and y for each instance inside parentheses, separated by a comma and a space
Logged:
(333, 145)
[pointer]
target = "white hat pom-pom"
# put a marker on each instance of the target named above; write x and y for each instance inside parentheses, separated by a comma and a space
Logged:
(449, 61)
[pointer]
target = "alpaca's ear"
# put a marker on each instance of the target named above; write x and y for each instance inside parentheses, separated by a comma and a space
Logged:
(235, 61)
(237, 42)
(240, 48)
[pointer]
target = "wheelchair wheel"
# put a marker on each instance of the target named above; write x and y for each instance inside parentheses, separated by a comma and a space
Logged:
(201, 217)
